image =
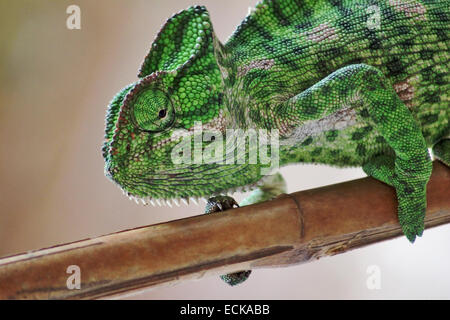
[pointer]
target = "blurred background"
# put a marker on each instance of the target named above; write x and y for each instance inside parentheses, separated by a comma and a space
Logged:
(55, 85)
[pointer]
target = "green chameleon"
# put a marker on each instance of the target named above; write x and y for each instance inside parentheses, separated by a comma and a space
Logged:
(345, 83)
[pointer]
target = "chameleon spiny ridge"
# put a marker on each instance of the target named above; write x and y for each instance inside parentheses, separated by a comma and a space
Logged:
(340, 89)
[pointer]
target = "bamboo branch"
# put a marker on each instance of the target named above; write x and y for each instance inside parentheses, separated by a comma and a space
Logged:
(291, 229)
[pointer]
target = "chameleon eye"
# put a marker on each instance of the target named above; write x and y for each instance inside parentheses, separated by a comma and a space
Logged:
(153, 111)
(162, 113)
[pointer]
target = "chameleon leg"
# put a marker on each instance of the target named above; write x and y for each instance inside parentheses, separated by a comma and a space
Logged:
(410, 168)
(441, 150)
(382, 168)
(273, 186)
(222, 203)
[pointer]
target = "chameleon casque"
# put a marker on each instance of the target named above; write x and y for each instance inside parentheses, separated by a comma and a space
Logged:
(345, 83)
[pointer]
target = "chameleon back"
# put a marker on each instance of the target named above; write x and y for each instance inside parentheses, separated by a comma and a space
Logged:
(284, 47)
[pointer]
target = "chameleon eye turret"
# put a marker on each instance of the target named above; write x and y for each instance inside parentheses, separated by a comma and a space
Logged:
(152, 110)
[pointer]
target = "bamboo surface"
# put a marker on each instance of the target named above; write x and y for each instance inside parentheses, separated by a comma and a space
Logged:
(291, 229)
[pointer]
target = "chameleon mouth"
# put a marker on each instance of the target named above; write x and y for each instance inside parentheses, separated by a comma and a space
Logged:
(170, 202)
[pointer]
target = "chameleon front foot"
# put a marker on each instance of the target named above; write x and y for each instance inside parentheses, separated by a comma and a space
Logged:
(222, 203)
(410, 185)
(236, 278)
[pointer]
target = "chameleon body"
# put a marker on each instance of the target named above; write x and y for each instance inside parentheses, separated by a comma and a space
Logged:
(345, 83)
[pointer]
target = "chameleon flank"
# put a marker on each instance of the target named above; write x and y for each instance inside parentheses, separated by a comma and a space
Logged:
(345, 83)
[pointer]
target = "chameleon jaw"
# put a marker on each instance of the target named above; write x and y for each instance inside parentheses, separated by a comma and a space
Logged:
(186, 201)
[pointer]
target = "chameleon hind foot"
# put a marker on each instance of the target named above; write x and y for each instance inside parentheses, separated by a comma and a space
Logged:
(222, 203)
(441, 151)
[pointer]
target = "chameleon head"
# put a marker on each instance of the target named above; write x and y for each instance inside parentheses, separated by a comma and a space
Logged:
(179, 86)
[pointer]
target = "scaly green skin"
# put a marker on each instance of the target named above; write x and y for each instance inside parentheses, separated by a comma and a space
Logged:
(339, 92)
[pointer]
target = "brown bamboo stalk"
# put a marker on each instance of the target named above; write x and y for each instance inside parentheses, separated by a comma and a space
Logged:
(291, 229)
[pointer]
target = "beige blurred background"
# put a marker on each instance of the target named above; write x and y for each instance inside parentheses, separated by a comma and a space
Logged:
(55, 85)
